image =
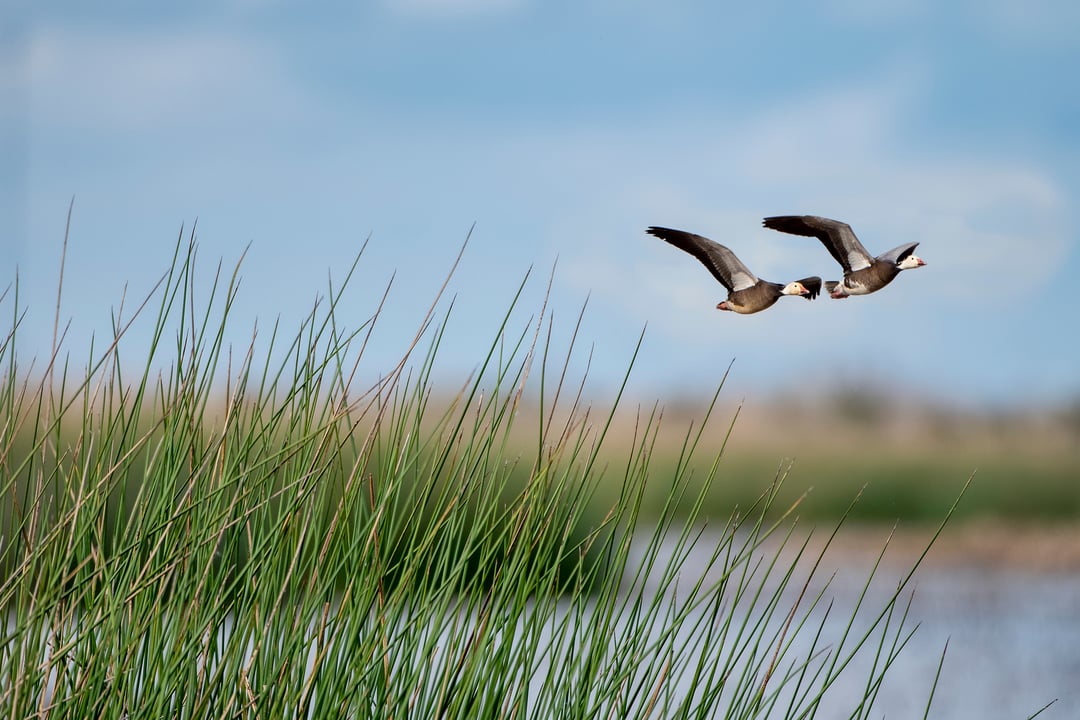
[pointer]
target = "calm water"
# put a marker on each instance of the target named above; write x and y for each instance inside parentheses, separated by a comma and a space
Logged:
(1014, 645)
(1013, 642)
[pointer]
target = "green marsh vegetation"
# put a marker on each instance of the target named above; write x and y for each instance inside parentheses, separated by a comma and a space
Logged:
(909, 452)
(256, 532)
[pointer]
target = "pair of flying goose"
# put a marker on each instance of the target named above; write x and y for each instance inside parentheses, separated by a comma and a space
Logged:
(863, 273)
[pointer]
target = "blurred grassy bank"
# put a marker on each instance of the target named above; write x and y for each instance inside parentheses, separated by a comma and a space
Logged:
(908, 459)
(906, 463)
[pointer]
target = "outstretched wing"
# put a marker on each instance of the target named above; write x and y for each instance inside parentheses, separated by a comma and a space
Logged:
(720, 261)
(836, 236)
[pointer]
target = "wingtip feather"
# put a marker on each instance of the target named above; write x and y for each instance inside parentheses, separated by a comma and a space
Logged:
(813, 284)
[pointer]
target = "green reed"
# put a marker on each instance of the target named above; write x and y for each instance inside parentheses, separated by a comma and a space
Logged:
(259, 533)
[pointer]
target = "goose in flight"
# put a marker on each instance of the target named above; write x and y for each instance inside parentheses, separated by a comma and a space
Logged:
(863, 274)
(746, 293)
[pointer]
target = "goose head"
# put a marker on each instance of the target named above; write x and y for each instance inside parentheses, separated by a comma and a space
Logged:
(795, 288)
(910, 262)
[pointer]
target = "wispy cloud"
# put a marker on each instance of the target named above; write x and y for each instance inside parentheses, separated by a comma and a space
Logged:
(877, 13)
(975, 217)
(1035, 23)
(451, 8)
(122, 81)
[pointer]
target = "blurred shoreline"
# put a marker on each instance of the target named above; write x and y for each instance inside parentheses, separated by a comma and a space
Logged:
(986, 545)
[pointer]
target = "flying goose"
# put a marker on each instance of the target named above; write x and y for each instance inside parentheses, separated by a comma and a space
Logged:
(746, 293)
(863, 274)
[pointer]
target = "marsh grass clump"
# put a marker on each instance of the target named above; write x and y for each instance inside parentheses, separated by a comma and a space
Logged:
(229, 533)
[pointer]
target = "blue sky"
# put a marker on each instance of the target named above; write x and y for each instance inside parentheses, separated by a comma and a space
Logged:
(562, 130)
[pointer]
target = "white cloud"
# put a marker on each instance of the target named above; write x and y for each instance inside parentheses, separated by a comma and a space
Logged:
(1019, 23)
(122, 81)
(451, 8)
(1034, 23)
(879, 12)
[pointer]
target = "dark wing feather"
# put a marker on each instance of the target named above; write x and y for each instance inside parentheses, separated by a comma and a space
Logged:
(813, 284)
(836, 236)
(720, 261)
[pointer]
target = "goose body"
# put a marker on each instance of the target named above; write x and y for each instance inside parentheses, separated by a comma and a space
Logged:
(746, 292)
(863, 273)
